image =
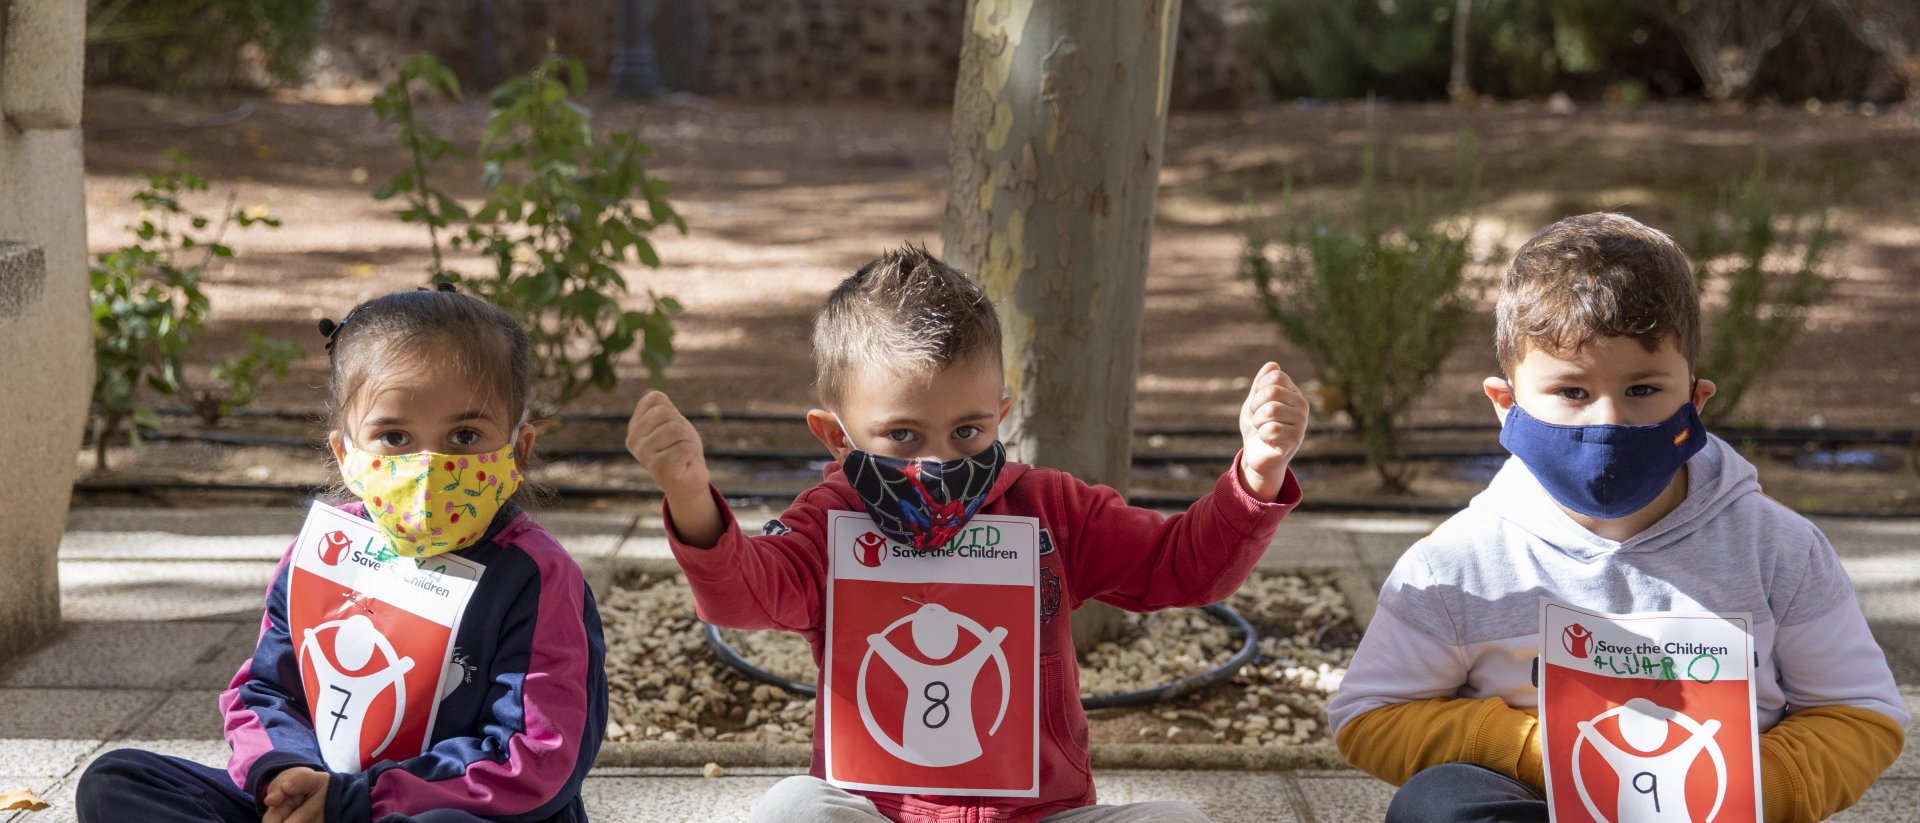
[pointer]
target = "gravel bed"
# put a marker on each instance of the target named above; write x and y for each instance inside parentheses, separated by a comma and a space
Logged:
(667, 686)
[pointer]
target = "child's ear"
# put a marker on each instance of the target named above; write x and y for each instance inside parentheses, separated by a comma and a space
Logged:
(826, 429)
(1703, 389)
(1501, 393)
(1006, 405)
(338, 445)
(523, 444)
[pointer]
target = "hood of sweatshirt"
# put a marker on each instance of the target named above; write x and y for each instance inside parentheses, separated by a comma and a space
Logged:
(1717, 477)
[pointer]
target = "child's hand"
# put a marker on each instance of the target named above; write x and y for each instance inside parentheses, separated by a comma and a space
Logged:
(1273, 423)
(297, 795)
(660, 437)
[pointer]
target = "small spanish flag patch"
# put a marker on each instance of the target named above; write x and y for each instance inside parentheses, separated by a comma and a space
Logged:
(1682, 436)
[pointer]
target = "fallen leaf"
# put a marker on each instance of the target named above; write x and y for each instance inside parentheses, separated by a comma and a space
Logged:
(21, 800)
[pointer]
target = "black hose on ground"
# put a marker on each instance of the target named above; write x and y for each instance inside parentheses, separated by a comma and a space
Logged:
(1249, 643)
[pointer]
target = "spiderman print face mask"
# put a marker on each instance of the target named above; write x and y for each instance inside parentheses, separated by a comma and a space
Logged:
(923, 503)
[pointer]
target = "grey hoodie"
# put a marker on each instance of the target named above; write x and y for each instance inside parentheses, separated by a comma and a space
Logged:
(1460, 614)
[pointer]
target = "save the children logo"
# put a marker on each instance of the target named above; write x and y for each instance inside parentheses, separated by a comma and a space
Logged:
(1648, 717)
(362, 696)
(930, 680)
(1577, 640)
(938, 728)
(869, 549)
(333, 546)
(1652, 779)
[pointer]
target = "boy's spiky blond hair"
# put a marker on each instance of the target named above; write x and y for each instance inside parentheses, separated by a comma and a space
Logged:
(906, 312)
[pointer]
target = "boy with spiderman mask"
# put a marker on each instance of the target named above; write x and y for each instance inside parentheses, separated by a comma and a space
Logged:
(909, 372)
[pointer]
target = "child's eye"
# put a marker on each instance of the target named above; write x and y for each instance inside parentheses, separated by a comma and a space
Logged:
(392, 440)
(966, 432)
(1642, 390)
(464, 437)
(900, 435)
(1571, 394)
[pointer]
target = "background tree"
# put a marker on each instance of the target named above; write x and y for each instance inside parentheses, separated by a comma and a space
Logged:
(1058, 122)
(1729, 40)
(1892, 29)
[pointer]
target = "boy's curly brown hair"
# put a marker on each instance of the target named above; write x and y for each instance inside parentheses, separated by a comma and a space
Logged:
(1599, 274)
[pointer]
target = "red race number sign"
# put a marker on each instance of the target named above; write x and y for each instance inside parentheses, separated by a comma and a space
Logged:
(374, 633)
(931, 680)
(1648, 718)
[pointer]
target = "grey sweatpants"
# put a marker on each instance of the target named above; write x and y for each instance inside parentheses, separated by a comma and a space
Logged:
(808, 799)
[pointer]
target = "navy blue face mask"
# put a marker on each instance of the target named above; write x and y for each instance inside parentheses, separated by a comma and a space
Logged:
(1606, 472)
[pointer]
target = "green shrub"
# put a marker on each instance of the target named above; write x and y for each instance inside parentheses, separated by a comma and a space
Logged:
(1773, 261)
(1390, 48)
(558, 219)
(149, 308)
(1402, 49)
(180, 44)
(1376, 298)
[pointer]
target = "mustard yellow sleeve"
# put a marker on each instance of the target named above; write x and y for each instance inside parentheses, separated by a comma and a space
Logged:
(1818, 761)
(1396, 742)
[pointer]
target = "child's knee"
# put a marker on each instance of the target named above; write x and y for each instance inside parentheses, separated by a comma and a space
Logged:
(109, 776)
(808, 798)
(1172, 811)
(112, 769)
(1464, 791)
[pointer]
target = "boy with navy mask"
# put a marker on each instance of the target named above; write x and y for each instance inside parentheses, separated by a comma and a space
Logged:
(908, 361)
(1617, 500)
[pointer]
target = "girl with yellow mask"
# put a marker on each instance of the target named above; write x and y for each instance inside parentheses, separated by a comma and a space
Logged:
(429, 399)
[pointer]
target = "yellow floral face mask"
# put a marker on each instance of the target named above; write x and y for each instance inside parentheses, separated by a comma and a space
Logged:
(429, 503)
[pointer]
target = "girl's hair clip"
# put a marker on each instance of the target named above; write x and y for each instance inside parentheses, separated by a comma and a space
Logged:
(331, 329)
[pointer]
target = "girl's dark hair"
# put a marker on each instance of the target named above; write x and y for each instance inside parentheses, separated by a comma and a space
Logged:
(475, 338)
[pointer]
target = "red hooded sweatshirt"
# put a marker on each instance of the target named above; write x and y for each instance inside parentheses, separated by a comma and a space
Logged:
(1095, 547)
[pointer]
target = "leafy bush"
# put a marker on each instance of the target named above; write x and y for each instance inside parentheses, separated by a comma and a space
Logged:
(1390, 48)
(558, 219)
(177, 44)
(1377, 298)
(1401, 49)
(1773, 261)
(148, 308)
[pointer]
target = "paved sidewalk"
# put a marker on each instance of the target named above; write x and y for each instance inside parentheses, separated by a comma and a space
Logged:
(162, 606)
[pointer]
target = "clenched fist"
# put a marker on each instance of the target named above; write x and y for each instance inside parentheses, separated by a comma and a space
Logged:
(1273, 424)
(662, 439)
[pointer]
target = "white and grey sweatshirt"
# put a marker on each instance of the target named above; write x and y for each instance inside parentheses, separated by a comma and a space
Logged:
(1460, 615)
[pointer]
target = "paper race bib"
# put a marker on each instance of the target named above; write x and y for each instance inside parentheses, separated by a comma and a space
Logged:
(373, 633)
(931, 680)
(1648, 717)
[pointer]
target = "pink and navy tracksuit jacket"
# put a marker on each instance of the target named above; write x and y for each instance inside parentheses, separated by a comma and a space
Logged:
(1093, 547)
(512, 742)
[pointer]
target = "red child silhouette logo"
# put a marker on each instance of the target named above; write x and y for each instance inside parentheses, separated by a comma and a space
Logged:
(332, 546)
(870, 549)
(1577, 640)
(357, 688)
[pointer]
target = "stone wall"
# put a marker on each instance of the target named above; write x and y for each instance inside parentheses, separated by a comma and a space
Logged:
(904, 51)
(46, 354)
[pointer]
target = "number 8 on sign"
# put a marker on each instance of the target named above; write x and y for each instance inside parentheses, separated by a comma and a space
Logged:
(939, 693)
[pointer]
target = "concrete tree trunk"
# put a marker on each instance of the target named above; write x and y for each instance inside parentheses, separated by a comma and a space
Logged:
(1059, 119)
(46, 358)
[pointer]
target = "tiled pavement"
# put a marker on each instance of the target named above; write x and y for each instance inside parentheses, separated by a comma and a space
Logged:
(162, 607)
